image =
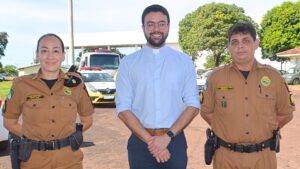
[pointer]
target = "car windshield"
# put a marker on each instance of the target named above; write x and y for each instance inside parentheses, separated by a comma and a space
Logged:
(293, 70)
(96, 77)
(105, 61)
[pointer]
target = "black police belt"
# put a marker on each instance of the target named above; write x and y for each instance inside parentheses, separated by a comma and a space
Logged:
(245, 148)
(49, 145)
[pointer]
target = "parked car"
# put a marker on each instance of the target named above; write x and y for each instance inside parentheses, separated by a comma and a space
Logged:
(282, 72)
(100, 86)
(201, 80)
(292, 75)
(2, 77)
(3, 131)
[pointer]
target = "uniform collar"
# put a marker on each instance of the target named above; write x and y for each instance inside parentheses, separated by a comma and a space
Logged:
(38, 75)
(256, 65)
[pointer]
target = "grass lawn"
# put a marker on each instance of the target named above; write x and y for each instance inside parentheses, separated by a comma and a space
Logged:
(4, 88)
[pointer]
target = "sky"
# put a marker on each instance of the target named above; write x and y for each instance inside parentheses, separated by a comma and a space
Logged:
(26, 20)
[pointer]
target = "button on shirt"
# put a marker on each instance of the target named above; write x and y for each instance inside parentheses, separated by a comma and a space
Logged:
(156, 85)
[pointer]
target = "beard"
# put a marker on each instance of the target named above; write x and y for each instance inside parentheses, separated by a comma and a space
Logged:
(154, 42)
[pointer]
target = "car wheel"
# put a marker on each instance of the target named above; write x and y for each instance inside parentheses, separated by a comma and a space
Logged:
(296, 82)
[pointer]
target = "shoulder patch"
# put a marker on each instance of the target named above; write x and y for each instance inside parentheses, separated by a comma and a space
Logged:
(10, 94)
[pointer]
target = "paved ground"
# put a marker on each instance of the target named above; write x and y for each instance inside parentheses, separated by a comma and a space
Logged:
(105, 144)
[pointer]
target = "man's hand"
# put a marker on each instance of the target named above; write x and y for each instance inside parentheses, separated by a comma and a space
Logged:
(157, 146)
(163, 156)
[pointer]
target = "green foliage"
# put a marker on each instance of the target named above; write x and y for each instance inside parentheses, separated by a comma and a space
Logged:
(10, 69)
(3, 42)
(206, 29)
(210, 60)
(280, 30)
(4, 88)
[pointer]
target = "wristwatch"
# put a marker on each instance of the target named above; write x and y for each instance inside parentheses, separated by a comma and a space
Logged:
(170, 134)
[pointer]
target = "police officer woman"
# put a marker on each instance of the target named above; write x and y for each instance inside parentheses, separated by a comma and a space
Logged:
(49, 102)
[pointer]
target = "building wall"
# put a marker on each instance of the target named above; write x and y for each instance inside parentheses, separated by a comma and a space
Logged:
(34, 69)
(28, 70)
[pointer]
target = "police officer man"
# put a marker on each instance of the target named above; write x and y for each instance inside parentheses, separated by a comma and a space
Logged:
(49, 102)
(245, 103)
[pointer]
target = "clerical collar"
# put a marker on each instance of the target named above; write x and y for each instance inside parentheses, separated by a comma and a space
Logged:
(155, 51)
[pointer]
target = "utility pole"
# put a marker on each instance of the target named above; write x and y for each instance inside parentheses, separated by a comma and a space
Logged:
(71, 48)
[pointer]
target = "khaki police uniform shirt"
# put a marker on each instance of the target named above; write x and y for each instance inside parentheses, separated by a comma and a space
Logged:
(245, 110)
(47, 114)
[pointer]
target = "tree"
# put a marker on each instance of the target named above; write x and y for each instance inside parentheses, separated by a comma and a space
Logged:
(3, 43)
(206, 30)
(280, 30)
(10, 69)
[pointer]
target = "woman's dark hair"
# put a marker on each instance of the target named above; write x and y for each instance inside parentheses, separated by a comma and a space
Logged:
(245, 27)
(155, 8)
(50, 34)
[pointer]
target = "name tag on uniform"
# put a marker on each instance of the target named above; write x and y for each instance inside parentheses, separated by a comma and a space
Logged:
(224, 88)
(34, 96)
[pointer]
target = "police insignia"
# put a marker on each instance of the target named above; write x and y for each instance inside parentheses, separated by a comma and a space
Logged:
(265, 81)
(10, 94)
(34, 96)
(201, 97)
(67, 91)
(292, 99)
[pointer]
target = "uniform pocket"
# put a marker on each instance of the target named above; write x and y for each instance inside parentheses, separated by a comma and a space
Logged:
(267, 101)
(69, 108)
(35, 108)
(224, 102)
(34, 104)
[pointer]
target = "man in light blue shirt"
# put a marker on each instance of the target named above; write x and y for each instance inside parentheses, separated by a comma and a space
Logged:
(157, 97)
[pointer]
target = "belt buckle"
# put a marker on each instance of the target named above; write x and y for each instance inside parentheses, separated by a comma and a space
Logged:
(50, 145)
(246, 148)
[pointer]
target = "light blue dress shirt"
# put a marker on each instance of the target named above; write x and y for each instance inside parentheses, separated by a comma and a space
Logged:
(156, 85)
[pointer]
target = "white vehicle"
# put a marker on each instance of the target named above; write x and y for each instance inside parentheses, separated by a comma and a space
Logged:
(100, 86)
(105, 59)
(201, 80)
(3, 131)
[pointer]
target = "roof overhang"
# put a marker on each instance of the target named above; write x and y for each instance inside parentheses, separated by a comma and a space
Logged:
(113, 39)
(295, 52)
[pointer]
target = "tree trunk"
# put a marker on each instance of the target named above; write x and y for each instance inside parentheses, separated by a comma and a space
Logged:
(218, 59)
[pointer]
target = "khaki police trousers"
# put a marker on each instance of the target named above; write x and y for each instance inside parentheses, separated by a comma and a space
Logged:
(63, 158)
(226, 159)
